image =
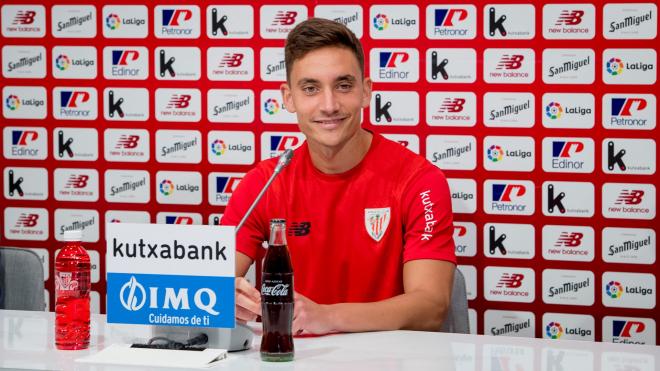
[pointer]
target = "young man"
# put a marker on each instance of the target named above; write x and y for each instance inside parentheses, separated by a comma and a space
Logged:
(369, 222)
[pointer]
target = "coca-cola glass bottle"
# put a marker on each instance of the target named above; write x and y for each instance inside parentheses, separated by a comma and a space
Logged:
(72, 284)
(277, 297)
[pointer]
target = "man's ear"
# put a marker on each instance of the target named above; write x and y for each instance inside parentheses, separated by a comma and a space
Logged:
(287, 97)
(366, 92)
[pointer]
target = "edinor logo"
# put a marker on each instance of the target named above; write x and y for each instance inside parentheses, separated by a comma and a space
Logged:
(166, 187)
(554, 110)
(614, 289)
(381, 22)
(554, 330)
(112, 21)
(614, 66)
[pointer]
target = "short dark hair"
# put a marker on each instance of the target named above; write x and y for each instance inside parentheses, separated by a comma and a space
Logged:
(317, 33)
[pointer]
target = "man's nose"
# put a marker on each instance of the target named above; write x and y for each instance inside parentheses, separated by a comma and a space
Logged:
(329, 104)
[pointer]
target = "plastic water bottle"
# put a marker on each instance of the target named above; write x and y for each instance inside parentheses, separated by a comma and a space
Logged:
(72, 284)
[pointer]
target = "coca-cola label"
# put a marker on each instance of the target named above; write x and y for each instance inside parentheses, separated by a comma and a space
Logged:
(277, 287)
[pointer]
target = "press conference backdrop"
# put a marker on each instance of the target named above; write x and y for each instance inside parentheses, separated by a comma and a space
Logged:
(543, 118)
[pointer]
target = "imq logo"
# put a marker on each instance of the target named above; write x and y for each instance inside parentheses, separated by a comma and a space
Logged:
(394, 65)
(568, 243)
(451, 65)
(507, 197)
(569, 22)
(221, 187)
(451, 108)
(509, 284)
(176, 22)
(512, 241)
(178, 63)
(628, 156)
(451, 22)
(29, 143)
(629, 111)
(509, 21)
(23, 21)
(230, 22)
(394, 108)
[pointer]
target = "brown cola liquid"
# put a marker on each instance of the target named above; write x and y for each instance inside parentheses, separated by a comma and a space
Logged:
(277, 305)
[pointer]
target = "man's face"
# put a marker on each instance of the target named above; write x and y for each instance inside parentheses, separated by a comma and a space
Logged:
(327, 92)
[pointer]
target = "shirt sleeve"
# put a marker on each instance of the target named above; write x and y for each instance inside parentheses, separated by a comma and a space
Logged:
(254, 231)
(428, 219)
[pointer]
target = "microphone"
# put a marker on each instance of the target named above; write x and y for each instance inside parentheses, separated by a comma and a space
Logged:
(284, 160)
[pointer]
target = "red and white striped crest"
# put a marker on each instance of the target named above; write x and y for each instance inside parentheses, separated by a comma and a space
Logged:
(376, 222)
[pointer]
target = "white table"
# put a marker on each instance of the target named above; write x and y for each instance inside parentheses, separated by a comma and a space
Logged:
(27, 342)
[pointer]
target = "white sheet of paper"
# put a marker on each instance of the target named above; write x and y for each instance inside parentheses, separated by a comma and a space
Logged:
(123, 354)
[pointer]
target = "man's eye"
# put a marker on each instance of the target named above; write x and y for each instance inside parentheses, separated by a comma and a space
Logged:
(309, 89)
(345, 87)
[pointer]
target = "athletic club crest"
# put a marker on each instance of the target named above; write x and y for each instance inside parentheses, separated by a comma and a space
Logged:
(376, 222)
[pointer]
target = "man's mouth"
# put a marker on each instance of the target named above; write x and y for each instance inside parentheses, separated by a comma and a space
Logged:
(330, 122)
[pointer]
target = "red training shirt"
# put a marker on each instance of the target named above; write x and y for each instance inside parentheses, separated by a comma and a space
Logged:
(350, 233)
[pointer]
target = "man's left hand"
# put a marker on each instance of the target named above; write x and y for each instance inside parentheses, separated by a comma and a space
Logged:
(310, 317)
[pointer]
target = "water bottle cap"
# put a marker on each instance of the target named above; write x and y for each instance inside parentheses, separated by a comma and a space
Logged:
(73, 235)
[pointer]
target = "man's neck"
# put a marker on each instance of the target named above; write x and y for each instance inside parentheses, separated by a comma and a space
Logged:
(333, 160)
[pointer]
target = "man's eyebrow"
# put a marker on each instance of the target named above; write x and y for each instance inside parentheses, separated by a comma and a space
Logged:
(305, 81)
(347, 78)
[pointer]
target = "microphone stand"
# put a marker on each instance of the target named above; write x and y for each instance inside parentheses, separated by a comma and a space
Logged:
(284, 160)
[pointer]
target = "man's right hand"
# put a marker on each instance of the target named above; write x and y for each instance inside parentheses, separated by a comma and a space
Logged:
(248, 300)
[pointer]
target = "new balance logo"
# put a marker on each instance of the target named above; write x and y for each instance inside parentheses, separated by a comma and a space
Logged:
(630, 197)
(623, 106)
(382, 110)
(179, 101)
(127, 141)
(24, 17)
(15, 185)
(166, 66)
(231, 60)
(511, 281)
(496, 25)
(510, 62)
(285, 18)
(569, 239)
(496, 243)
(570, 18)
(218, 24)
(27, 220)
(77, 181)
(114, 107)
(555, 202)
(175, 17)
(452, 105)
(615, 159)
(22, 137)
(299, 229)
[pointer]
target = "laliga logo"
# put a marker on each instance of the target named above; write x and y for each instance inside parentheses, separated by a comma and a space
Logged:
(13, 102)
(218, 147)
(271, 106)
(62, 62)
(131, 290)
(166, 187)
(381, 22)
(554, 110)
(614, 289)
(614, 66)
(495, 153)
(554, 330)
(112, 21)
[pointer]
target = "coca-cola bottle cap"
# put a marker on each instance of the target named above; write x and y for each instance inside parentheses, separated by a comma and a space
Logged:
(73, 235)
